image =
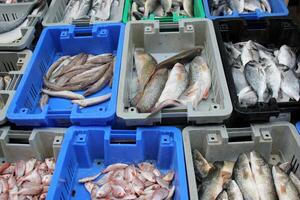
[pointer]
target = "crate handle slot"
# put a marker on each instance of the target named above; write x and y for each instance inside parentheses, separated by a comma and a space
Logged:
(169, 27)
(122, 138)
(257, 25)
(122, 141)
(240, 138)
(12, 140)
(83, 33)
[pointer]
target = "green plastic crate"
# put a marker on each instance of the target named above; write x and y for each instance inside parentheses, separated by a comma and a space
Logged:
(198, 13)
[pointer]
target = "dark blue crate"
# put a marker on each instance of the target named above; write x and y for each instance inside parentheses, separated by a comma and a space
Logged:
(55, 42)
(278, 9)
(88, 150)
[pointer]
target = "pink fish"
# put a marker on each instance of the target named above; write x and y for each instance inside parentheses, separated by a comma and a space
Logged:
(114, 167)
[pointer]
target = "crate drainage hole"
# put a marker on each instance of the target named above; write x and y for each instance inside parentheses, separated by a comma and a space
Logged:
(57, 140)
(23, 110)
(81, 138)
(98, 163)
(267, 135)
(100, 109)
(212, 138)
(165, 139)
(3, 161)
(73, 193)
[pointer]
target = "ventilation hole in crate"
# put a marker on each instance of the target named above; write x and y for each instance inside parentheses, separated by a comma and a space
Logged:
(212, 138)
(73, 193)
(98, 162)
(12, 66)
(81, 138)
(13, 16)
(57, 141)
(23, 110)
(101, 109)
(132, 109)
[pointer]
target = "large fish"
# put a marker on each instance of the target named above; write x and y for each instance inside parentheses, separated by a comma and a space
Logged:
(249, 53)
(286, 57)
(290, 83)
(262, 176)
(175, 86)
(152, 91)
(233, 191)
(202, 167)
(200, 83)
(243, 176)
(284, 186)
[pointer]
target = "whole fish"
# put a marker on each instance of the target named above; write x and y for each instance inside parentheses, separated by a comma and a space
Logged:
(243, 176)
(237, 5)
(233, 191)
(256, 77)
(211, 185)
(202, 167)
(290, 84)
(175, 86)
(188, 7)
(152, 91)
(232, 51)
(92, 101)
(104, 12)
(166, 4)
(283, 184)
(63, 94)
(145, 66)
(246, 95)
(223, 196)
(150, 6)
(249, 53)
(183, 57)
(262, 176)
(286, 57)
(200, 83)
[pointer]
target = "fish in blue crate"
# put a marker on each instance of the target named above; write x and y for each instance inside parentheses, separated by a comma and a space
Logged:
(123, 181)
(226, 7)
(82, 72)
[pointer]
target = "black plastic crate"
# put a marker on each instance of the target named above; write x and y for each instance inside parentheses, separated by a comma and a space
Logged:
(272, 32)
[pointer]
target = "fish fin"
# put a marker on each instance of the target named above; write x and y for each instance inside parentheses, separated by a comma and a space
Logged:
(164, 104)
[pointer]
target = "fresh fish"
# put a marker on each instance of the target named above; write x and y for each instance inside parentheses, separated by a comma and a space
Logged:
(166, 4)
(150, 6)
(169, 176)
(104, 12)
(160, 194)
(262, 176)
(30, 190)
(227, 171)
(290, 84)
(30, 164)
(222, 196)
(200, 83)
(273, 77)
(92, 101)
(145, 66)
(232, 51)
(183, 57)
(202, 167)
(233, 191)
(188, 7)
(4, 167)
(286, 57)
(256, 77)
(252, 6)
(286, 167)
(243, 176)
(152, 91)
(212, 185)
(63, 94)
(55, 65)
(33, 177)
(20, 169)
(175, 86)
(80, 9)
(249, 53)
(114, 167)
(104, 190)
(295, 180)
(237, 5)
(283, 184)
(246, 95)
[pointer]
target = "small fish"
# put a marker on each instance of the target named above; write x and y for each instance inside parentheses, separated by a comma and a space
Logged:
(152, 91)
(222, 196)
(290, 84)
(202, 167)
(20, 168)
(262, 176)
(256, 77)
(92, 101)
(114, 167)
(160, 194)
(63, 94)
(283, 184)
(212, 184)
(55, 65)
(243, 176)
(169, 176)
(30, 164)
(30, 190)
(90, 178)
(188, 7)
(286, 57)
(33, 177)
(103, 191)
(233, 191)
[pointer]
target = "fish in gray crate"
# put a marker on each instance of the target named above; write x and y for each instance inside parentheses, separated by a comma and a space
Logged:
(250, 177)
(182, 79)
(227, 7)
(260, 73)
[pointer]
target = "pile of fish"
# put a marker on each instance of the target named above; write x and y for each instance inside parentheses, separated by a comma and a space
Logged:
(227, 7)
(161, 8)
(250, 177)
(81, 9)
(80, 72)
(122, 181)
(5, 82)
(260, 73)
(26, 180)
(10, 31)
(187, 82)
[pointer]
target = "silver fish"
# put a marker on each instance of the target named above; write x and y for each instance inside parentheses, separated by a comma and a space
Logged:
(237, 5)
(150, 6)
(267, 5)
(233, 191)
(188, 7)
(286, 57)
(249, 53)
(256, 77)
(223, 196)
(243, 176)
(92, 101)
(166, 4)
(104, 12)
(290, 84)
(283, 184)
(262, 176)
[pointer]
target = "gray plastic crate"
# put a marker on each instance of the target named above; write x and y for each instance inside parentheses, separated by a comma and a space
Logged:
(277, 142)
(11, 12)
(57, 8)
(14, 65)
(163, 41)
(23, 145)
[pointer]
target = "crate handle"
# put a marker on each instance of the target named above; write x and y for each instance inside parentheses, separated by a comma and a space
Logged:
(83, 32)
(236, 135)
(120, 137)
(169, 27)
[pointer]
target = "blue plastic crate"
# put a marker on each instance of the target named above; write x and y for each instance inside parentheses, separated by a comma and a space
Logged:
(88, 150)
(298, 127)
(55, 42)
(278, 9)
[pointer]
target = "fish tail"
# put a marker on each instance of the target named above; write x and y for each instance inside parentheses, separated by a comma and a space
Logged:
(164, 104)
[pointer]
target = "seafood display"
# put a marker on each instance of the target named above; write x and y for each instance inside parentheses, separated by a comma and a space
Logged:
(227, 7)
(26, 179)
(123, 181)
(79, 9)
(81, 72)
(260, 73)
(250, 177)
(143, 8)
(178, 81)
